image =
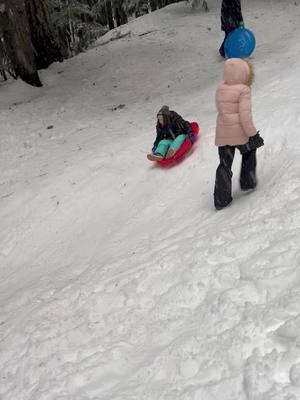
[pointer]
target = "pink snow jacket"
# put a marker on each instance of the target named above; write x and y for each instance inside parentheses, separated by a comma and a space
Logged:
(233, 101)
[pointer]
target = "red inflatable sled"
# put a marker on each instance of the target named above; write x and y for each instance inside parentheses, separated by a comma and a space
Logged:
(186, 146)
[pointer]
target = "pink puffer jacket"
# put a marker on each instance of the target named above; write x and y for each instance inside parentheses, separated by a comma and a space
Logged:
(233, 101)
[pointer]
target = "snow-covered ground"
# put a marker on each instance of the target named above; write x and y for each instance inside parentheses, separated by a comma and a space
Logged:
(118, 279)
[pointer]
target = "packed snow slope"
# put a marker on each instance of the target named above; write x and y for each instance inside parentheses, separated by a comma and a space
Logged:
(118, 279)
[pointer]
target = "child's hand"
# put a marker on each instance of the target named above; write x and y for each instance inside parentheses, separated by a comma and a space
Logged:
(192, 137)
(254, 142)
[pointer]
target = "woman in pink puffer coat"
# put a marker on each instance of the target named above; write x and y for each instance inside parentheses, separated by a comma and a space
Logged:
(235, 129)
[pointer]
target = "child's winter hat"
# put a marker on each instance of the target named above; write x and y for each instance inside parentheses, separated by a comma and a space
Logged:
(165, 110)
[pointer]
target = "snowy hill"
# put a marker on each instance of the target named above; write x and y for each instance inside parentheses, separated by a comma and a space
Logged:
(118, 279)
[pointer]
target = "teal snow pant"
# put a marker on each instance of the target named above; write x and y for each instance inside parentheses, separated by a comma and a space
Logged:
(166, 144)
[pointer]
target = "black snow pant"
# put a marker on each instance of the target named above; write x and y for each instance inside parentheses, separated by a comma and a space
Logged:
(222, 47)
(223, 186)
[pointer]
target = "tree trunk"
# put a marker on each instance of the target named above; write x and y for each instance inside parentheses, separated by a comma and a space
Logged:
(117, 16)
(43, 40)
(123, 12)
(153, 5)
(17, 37)
(120, 14)
(109, 14)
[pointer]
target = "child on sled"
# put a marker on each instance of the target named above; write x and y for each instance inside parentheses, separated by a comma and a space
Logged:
(171, 132)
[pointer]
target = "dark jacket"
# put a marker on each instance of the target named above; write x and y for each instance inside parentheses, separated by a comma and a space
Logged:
(231, 15)
(178, 126)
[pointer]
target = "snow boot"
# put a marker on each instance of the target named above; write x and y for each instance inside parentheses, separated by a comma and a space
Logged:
(220, 207)
(170, 154)
(154, 157)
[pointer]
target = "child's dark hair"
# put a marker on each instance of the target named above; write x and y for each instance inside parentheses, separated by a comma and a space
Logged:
(166, 119)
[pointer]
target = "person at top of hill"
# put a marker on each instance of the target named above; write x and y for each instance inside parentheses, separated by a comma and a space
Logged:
(171, 132)
(231, 19)
(235, 129)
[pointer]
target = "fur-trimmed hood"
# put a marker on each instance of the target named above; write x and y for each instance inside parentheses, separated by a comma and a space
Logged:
(238, 71)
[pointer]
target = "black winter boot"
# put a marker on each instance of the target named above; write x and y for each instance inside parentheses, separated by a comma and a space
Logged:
(222, 192)
(248, 171)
